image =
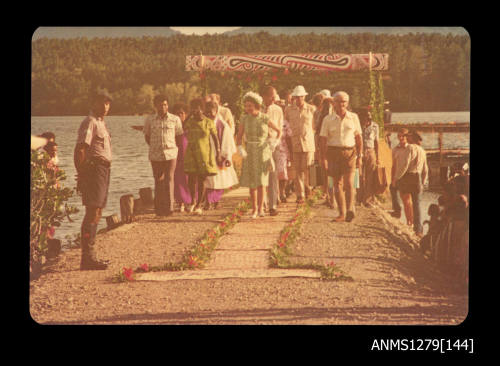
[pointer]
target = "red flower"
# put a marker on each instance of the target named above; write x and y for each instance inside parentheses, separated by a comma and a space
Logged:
(274, 78)
(281, 244)
(192, 261)
(128, 273)
(222, 224)
(145, 267)
(286, 72)
(286, 235)
(202, 76)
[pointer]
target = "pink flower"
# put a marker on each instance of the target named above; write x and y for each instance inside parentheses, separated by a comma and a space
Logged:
(281, 244)
(145, 267)
(222, 224)
(128, 273)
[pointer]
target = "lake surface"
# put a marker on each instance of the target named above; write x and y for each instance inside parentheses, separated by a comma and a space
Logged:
(430, 140)
(131, 169)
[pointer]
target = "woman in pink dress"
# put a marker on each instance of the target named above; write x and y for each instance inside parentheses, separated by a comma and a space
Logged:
(181, 189)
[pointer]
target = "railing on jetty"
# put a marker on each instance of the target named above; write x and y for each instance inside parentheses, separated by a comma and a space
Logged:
(439, 128)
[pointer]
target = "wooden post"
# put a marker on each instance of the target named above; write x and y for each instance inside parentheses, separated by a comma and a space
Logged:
(440, 142)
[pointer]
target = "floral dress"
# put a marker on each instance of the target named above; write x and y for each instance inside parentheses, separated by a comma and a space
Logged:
(255, 168)
(199, 159)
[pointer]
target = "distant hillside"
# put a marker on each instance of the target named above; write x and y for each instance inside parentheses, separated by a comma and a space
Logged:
(102, 32)
(346, 30)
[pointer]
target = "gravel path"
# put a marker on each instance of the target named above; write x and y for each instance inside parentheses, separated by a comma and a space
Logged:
(393, 284)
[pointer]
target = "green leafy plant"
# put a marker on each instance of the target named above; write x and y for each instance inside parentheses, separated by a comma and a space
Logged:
(48, 206)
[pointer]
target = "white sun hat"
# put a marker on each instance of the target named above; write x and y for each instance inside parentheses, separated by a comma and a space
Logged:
(37, 142)
(299, 91)
(326, 93)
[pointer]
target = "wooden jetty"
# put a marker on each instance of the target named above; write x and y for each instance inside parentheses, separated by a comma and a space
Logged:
(439, 128)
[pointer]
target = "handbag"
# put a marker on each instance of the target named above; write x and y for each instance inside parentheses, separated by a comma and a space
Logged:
(380, 181)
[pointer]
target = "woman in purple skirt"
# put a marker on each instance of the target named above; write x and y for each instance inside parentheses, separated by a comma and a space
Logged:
(181, 189)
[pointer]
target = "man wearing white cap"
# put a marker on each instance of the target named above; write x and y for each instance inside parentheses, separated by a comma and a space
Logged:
(300, 116)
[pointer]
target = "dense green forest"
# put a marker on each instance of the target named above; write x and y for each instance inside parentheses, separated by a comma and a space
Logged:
(427, 72)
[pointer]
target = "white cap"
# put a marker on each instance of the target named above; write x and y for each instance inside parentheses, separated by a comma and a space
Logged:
(326, 93)
(299, 91)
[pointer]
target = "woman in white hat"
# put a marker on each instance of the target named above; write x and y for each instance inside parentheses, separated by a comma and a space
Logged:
(257, 159)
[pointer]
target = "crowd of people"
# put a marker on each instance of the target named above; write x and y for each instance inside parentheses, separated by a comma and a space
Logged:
(279, 140)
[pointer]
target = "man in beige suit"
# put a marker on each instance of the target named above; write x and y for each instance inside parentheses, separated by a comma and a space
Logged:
(300, 116)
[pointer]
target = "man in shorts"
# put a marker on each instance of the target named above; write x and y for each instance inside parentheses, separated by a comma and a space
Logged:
(92, 159)
(342, 144)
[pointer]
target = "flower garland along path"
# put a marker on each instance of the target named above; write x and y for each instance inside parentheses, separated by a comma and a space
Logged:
(281, 252)
(198, 256)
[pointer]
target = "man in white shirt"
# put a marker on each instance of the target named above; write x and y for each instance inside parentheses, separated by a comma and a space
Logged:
(160, 130)
(275, 114)
(342, 145)
(418, 165)
(403, 180)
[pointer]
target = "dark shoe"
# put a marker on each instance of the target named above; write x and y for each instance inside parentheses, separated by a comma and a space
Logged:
(349, 216)
(283, 199)
(396, 214)
(92, 265)
(273, 212)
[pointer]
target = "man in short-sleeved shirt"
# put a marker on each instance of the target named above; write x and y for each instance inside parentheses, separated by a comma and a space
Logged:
(160, 130)
(341, 134)
(92, 158)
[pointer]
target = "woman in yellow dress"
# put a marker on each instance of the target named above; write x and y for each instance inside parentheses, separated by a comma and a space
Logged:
(199, 161)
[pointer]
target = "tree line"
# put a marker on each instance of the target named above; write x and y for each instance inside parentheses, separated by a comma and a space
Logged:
(427, 72)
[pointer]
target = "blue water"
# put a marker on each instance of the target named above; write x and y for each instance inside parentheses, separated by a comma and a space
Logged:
(131, 169)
